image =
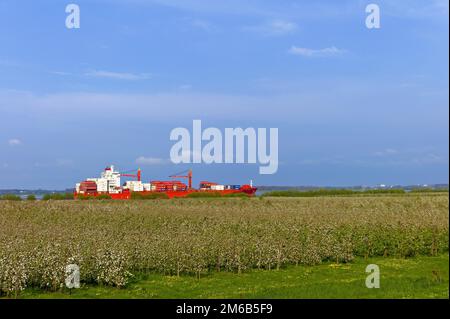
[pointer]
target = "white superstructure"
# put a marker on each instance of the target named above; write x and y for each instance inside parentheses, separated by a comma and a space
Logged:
(109, 182)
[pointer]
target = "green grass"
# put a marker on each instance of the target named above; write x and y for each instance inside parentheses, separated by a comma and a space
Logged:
(58, 196)
(420, 277)
(103, 196)
(10, 197)
(240, 195)
(349, 192)
(330, 192)
(429, 190)
(31, 197)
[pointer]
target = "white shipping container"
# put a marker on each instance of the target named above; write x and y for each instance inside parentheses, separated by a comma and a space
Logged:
(135, 186)
(217, 187)
(102, 185)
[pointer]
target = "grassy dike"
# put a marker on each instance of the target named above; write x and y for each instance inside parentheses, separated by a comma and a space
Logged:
(419, 277)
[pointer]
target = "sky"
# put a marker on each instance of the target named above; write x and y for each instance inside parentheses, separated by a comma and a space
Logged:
(353, 106)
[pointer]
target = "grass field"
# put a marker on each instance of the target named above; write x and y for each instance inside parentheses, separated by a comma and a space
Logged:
(419, 277)
(188, 244)
(350, 192)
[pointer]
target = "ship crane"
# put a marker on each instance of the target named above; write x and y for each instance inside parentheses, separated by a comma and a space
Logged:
(137, 176)
(188, 176)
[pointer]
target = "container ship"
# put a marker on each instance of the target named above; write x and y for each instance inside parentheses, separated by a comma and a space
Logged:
(109, 184)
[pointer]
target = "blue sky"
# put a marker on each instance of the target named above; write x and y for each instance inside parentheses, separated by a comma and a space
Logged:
(353, 106)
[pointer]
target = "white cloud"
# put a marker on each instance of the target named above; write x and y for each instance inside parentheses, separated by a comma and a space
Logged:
(386, 152)
(117, 75)
(274, 28)
(14, 142)
(60, 73)
(283, 27)
(326, 52)
(142, 160)
(202, 24)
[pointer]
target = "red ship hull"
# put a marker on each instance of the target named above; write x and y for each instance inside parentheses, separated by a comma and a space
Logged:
(171, 194)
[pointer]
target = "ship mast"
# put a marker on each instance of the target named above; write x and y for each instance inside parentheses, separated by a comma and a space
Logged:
(188, 176)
